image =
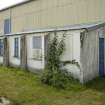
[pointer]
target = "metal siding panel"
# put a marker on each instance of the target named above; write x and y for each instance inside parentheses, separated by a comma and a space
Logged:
(90, 56)
(47, 13)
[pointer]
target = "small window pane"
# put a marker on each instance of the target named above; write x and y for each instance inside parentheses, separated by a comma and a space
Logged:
(7, 26)
(1, 47)
(37, 42)
(16, 47)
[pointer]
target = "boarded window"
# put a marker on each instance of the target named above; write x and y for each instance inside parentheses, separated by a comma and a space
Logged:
(37, 42)
(1, 47)
(16, 47)
(7, 26)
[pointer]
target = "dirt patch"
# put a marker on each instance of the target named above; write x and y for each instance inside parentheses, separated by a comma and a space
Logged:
(4, 101)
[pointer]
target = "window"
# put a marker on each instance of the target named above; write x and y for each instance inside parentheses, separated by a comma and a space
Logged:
(37, 42)
(16, 47)
(1, 47)
(7, 26)
(37, 47)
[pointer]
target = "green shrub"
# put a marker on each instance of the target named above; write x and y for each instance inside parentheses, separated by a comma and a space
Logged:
(54, 74)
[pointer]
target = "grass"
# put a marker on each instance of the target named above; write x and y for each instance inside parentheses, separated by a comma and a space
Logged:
(25, 88)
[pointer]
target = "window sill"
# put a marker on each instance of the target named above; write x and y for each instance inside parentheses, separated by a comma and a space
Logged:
(16, 57)
(37, 59)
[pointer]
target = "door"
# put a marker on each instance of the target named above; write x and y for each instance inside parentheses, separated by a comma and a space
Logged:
(101, 57)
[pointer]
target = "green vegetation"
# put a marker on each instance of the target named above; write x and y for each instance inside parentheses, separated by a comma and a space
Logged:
(25, 88)
(54, 74)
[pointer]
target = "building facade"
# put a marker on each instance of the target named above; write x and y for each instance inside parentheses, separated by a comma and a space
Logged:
(25, 27)
(33, 14)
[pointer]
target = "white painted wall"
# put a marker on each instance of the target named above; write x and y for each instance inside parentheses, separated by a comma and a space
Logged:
(32, 63)
(1, 60)
(90, 54)
(13, 60)
(75, 49)
(76, 46)
(72, 52)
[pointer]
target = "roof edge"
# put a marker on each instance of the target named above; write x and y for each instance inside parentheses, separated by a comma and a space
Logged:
(15, 5)
(64, 28)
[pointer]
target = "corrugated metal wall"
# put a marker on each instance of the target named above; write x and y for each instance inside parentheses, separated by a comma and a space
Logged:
(90, 54)
(47, 13)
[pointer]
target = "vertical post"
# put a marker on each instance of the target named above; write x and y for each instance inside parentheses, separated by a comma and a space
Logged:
(6, 52)
(46, 39)
(23, 47)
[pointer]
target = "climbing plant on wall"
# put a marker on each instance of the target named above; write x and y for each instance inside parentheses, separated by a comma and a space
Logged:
(54, 74)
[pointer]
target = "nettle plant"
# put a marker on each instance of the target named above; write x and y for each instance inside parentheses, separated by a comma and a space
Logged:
(54, 73)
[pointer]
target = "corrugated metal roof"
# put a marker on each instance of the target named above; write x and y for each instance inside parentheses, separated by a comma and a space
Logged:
(88, 27)
(17, 4)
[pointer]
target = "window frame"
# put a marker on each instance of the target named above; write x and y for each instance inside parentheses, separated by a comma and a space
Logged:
(36, 39)
(37, 47)
(7, 26)
(16, 47)
(1, 47)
